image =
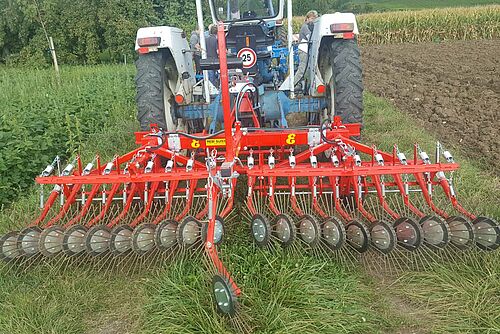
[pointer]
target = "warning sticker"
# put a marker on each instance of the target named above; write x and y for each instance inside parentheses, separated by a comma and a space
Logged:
(248, 56)
(216, 142)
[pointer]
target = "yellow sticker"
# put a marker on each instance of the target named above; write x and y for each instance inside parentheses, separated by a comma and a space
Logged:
(216, 142)
(195, 143)
(290, 140)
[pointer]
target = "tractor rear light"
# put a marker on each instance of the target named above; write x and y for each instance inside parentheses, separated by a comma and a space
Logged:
(179, 99)
(321, 89)
(341, 27)
(149, 41)
(143, 50)
(348, 35)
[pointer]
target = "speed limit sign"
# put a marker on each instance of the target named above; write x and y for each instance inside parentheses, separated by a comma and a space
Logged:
(248, 56)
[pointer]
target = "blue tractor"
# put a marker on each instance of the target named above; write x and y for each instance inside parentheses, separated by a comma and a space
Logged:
(263, 57)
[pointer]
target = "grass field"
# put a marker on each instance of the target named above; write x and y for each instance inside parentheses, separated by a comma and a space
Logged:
(384, 5)
(283, 292)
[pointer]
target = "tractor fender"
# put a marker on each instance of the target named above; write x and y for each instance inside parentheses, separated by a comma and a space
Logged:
(322, 26)
(174, 40)
(319, 71)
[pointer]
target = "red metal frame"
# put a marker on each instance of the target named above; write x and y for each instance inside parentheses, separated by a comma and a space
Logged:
(129, 178)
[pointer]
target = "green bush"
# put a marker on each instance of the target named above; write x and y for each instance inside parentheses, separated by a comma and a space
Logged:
(40, 119)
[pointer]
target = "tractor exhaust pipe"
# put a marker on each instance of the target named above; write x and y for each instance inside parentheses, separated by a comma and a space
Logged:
(290, 49)
(201, 28)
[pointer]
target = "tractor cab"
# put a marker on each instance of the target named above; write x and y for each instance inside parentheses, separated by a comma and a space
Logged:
(251, 31)
(242, 12)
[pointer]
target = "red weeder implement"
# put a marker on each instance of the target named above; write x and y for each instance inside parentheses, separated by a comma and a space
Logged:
(314, 185)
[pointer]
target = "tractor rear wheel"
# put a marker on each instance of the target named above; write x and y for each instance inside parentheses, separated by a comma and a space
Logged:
(282, 36)
(154, 97)
(346, 84)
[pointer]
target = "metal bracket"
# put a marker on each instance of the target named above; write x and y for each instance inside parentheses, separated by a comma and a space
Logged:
(174, 142)
(313, 137)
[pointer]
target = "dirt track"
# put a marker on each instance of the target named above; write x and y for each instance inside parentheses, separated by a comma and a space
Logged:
(453, 89)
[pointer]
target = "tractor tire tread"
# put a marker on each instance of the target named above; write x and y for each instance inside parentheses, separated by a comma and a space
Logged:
(150, 85)
(348, 80)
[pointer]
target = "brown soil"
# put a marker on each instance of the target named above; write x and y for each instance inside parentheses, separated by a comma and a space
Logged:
(451, 88)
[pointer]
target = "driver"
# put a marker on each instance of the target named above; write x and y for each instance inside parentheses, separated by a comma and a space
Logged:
(251, 9)
(304, 37)
(212, 51)
(235, 10)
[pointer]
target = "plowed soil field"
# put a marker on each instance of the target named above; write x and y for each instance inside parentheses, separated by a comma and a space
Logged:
(452, 89)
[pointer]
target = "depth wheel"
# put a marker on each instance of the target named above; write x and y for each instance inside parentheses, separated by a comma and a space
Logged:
(333, 233)
(8, 247)
(409, 233)
(358, 236)
(27, 241)
(383, 236)
(284, 229)
(261, 230)
(219, 230)
(74, 240)
(51, 241)
(143, 238)
(461, 232)
(224, 295)
(436, 231)
(309, 230)
(189, 232)
(487, 233)
(97, 240)
(121, 239)
(166, 235)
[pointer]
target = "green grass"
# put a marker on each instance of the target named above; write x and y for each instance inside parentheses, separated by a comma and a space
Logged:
(460, 296)
(282, 293)
(383, 5)
(48, 300)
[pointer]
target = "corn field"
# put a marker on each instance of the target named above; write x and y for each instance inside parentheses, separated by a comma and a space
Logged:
(427, 25)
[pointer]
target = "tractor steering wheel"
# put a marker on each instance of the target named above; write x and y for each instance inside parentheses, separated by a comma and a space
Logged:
(249, 14)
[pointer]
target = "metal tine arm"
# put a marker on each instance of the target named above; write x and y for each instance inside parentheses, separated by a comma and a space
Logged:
(171, 192)
(69, 201)
(250, 205)
(359, 201)
(406, 197)
(427, 196)
(381, 197)
(336, 199)
(189, 200)
(48, 205)
(152, 191)
(230, 203)
(272, 199)
(450, 194)
(315, 204)
(107, 205)
(93, 192)
(293, 198)
(133, 189)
